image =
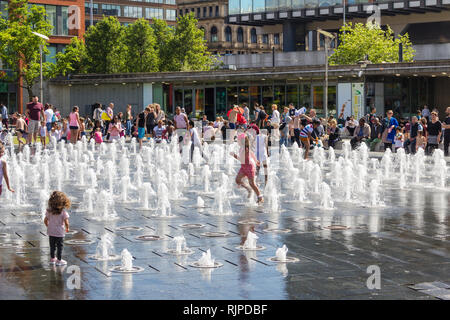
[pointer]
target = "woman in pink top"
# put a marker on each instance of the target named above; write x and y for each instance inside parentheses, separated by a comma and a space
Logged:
(114, 129)
(74, 124)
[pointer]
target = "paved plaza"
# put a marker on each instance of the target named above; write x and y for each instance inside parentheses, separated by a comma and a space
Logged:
(407, 239)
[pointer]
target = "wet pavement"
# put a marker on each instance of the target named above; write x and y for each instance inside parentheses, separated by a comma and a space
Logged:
(408, 239)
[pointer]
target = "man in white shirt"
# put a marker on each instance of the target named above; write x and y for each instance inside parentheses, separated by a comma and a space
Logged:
(195, 138)
(49, 118)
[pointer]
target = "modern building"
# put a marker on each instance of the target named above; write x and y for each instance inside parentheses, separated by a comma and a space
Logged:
(426, 21)
(223, 38)
(127, 11)
(67, 19)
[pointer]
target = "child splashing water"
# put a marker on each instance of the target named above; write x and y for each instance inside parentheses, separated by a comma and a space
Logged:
(3, 170)
(57, 223)
(248, 167)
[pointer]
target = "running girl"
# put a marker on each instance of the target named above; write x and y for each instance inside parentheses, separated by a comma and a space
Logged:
(248, 167)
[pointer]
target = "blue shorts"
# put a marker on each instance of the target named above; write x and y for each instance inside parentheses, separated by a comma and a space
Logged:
(141, 133)
(49, 126)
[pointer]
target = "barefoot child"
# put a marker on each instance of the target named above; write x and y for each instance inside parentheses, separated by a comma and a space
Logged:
(248, 166)
(57, 223)
(21, 130)
(43, 133)
(3, 170)
(98, 136)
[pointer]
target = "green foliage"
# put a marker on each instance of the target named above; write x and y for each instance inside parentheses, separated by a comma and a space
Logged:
(189, 47)
(141, 55)
(105, 47)
(164, 36)
(379, 45)
(73, 60)
(19, 47)
(139, 47)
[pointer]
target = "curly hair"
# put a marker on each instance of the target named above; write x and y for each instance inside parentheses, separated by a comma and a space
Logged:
(58, 201)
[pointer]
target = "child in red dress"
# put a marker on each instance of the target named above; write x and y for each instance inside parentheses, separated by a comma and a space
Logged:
(248, 167)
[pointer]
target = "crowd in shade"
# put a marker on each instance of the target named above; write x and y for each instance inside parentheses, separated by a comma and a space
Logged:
(284, 126)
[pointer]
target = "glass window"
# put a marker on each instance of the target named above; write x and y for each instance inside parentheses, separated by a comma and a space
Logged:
(221, 102)
(228, 34)
(254, 36)
(51, 56)
(199, 101)
(267, 97)
(188, 101)
(232, 96)
(259, 5)
(87, 8)
(246, 6)
(4, 8)
(170, 2)
(255, 96)
(243, 95)
(198, 12)
(276, 38)
(171, 14)
(291, 95)
(305, 95)
(214, 37)
(265, 38)
(132, 12)
(51, 17)
(210, 11)
(284, 4)
(311, 3)
(64, 28)
(318, 98)
(204, 12)
(279, 96)
(217, 11)
(298, 4)
(234, 7)
(154, 13)
(271, 5)
(240, 35)
(110, 10)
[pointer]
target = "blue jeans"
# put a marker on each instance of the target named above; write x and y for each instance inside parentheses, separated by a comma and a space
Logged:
(284, 140)
(128, 128)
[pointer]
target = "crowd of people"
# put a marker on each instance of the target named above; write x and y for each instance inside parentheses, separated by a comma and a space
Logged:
(286, 127)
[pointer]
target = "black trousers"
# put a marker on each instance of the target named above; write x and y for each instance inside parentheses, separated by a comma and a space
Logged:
(446, 144)
(430, 148)
(410, 146)
(297, 137)
(387, 145)
(56, 243)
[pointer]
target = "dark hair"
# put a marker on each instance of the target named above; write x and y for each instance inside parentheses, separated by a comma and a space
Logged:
(316, 122)
(191, 123)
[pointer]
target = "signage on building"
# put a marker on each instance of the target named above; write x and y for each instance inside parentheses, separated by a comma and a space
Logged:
(357, 100)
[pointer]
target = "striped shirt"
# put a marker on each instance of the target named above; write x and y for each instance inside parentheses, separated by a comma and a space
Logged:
(308, 129)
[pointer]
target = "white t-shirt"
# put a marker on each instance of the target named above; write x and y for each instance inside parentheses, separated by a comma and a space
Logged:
(275, 117)
(48, 115)
(208, 133)
(56, 134)
(195, 138)
(300, 111)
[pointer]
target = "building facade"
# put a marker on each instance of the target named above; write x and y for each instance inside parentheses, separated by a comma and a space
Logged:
(403, 87)
(67, 19)
(128, 11)
(223, 38)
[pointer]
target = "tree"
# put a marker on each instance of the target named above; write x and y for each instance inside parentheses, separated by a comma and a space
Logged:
(369, 39)
(189, 45)
(105, 48)
(164, 39)
(72, 60)
(140, 43)
(19, 47)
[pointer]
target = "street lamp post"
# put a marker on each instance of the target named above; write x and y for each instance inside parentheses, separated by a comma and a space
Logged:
(41, 91)
(328, 37)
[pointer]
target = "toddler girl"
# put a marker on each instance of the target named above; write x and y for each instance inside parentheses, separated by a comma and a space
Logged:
(57, 223)
(98, 135)
(398, 139)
